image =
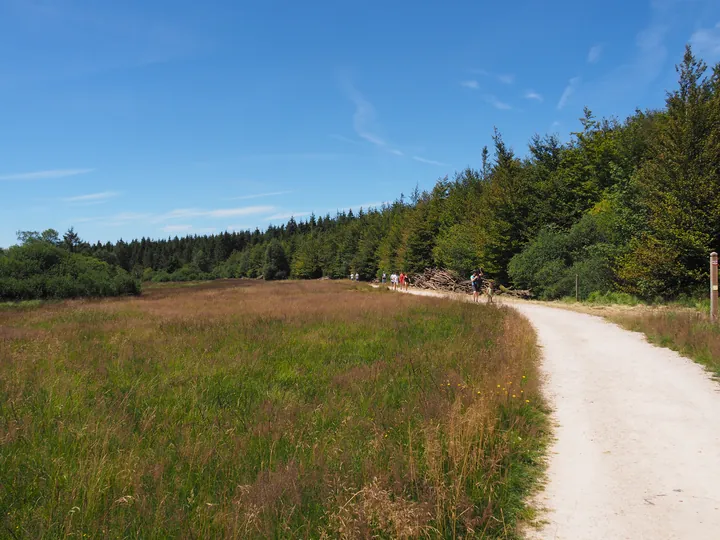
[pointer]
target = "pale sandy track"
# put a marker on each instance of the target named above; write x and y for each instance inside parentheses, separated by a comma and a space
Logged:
(637, 450)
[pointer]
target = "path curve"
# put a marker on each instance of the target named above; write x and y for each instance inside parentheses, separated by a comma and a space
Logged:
(637, 449)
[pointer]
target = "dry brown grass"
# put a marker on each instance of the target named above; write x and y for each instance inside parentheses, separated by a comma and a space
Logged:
(687, 331)
(246, 409)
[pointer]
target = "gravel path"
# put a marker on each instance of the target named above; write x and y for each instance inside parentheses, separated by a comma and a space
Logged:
(637, 450)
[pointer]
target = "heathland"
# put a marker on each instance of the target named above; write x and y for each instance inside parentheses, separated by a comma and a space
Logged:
(251, 409)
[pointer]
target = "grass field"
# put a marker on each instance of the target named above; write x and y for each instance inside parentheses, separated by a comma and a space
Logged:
(689, 332)
(289, 410)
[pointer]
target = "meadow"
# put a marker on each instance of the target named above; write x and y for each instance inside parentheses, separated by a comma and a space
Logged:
(243, 409)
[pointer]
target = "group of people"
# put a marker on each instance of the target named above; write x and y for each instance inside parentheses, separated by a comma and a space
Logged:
(354, 277)
(402, 280)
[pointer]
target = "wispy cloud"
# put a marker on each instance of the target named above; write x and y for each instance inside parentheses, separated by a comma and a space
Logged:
(532, 94)
(45, 175)
(239, 227)
(505, 78)
(365, 121)
(188, 228)
(342, 138)
(259, 195)
(92, 197)
(473, 85)
(568, 92)
(181, 213)
(706, 42)
(287, 215)
(293, 156)
(647, 61)
(176, 228)
(364, 117)
(495, 102)
(594, 53)
(430, 161)
(114, 220)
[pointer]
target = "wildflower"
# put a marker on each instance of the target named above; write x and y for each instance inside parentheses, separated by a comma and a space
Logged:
(514, 395)
(524, 377)
(527, 401)
(478, 392)
(498, 386)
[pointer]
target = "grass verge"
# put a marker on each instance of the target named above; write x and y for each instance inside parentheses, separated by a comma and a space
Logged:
(246, 409)
(688, 332)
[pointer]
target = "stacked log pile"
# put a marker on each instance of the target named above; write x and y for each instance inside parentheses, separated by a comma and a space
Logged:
(440, 280)
(517, 293)
(435, 279)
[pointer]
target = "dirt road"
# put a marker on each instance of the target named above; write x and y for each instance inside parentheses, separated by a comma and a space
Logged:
(637, 450)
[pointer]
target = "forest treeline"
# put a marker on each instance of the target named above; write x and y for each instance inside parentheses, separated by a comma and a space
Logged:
(629, 205)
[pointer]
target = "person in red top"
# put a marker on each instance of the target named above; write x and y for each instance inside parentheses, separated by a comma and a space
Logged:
(402, 280)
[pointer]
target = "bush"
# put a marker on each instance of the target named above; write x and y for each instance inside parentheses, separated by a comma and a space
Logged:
(617, 298)
(550, 264)
(276, 264)
(42, 270)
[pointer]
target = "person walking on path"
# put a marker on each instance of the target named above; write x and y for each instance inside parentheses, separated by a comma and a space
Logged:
(393, 281)
(407, 281)
(402, 280)
(384, 277)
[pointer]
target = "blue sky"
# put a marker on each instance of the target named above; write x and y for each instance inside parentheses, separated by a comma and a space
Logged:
(156, 117)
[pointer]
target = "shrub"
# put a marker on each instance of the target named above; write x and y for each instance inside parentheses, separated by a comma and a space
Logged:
(42, 270)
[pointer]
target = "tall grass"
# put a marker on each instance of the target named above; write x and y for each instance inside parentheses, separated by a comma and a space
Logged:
(291, 410)
(688, 332)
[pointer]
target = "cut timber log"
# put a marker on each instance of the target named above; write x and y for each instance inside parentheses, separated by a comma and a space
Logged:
(517, 293)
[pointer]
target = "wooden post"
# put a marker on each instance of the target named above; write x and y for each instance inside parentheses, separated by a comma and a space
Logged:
(576, 287)
(714, 286)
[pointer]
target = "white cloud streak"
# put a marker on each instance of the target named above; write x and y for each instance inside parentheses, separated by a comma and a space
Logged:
(430, 161)
(706, 42)
(594, 53)
(286, 215)
(364, 117)
(495, 102)
(473, 85)
(45, 175)
(92, 197)
(505, 78)
(259, 195)
(568, 92)
(176, 228)
(531, 94)
(218, 213)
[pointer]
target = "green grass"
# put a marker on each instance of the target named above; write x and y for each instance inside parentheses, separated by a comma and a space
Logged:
(22, 304)
(303, 410)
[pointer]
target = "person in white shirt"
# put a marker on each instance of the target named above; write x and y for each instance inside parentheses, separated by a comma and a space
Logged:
(393, 281)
